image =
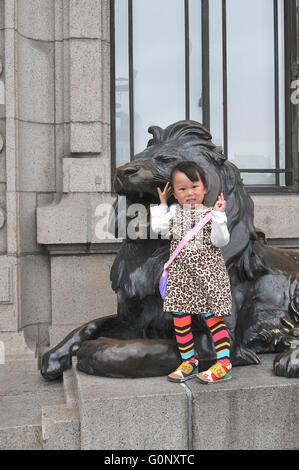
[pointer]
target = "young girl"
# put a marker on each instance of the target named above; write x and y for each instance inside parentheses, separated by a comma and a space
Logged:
(198, 282)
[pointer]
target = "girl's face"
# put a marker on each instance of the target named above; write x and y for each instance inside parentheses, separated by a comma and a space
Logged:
(186, 191)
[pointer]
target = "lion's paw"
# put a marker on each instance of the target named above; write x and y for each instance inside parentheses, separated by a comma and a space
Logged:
(242, 356)
(287, 364)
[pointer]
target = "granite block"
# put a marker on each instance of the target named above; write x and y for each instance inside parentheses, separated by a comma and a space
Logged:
(36, 168)
(36, 19)
(131, 413)
(86, 80)
(86, 292)
(85, 18)
(84, 174)
(35, 90)
(271, 209)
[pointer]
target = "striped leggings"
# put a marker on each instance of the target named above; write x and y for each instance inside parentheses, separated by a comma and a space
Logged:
(184, 336)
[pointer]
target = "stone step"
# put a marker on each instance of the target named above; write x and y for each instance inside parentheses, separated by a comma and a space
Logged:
(61, 423)
(70, 391)
(23, 393)
(29, 447)
(255, 410)
(22, 437)
(61, 427)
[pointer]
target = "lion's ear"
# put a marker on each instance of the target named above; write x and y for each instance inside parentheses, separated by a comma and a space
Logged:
(157, 133)
(179, 130)
(190, 129)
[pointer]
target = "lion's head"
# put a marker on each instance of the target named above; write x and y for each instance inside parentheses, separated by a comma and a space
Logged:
(189, 140)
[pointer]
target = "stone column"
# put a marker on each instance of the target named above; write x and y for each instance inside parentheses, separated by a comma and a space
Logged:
(80, 284)
(27, 169)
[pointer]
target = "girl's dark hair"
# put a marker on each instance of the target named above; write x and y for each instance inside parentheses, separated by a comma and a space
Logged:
(190, 169)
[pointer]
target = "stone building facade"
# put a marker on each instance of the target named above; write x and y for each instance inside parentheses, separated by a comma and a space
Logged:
(55, 169)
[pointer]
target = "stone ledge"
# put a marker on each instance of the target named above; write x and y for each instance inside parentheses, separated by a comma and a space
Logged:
(285, 243)
(72, 220)
(106, 246)
(69, 225)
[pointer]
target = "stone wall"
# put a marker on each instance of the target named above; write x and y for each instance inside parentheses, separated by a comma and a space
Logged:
(54, 167)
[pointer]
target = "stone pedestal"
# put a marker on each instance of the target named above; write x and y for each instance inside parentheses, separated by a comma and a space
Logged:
(255, 410)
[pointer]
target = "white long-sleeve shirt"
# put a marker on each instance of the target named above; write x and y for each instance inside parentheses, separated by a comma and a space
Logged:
(162, 214)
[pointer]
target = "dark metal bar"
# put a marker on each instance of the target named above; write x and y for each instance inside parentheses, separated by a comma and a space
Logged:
(268, 189)
(224, 67)
(264, 170)
(205, 64)
(187, 64)
(276, 91)
(291, 119)
(290, 110)
(112, 92)
(294, 113)
(131, 76)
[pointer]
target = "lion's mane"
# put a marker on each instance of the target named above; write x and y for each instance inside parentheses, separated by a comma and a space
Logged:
(193, 141)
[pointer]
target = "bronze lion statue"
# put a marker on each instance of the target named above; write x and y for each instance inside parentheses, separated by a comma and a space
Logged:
(139, 340)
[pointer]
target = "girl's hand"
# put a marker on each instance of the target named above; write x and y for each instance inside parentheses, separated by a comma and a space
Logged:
(220, 205)
(165, 194)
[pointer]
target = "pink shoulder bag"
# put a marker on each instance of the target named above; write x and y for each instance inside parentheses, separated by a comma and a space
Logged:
(187, 237)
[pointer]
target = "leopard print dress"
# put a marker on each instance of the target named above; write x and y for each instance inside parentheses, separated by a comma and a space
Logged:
(197, 281)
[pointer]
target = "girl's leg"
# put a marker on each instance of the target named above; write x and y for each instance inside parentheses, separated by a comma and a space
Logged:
(184, 336)
(222, 369)
(220, 337)
(188, 369)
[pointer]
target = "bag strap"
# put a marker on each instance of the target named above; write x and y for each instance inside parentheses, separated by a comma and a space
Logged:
(188, 237)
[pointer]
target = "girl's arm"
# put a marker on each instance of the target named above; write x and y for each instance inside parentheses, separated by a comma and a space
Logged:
(219, 234)
(161, 216)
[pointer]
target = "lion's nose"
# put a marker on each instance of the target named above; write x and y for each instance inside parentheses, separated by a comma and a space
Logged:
(130, 171)
(125, 170)
(120, 176)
